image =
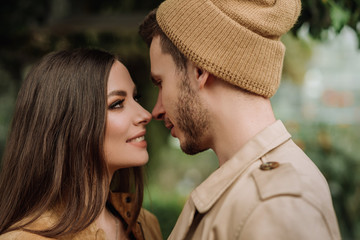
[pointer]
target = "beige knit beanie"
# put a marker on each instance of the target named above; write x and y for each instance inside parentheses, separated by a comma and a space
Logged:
(236, 40)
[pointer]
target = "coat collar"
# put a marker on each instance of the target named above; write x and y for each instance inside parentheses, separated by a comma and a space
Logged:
(209, 191)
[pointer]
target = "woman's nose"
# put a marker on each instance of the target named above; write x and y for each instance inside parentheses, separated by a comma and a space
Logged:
(144, 116)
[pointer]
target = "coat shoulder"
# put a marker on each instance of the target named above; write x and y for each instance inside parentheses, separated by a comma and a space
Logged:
(150, 225)
(20, 234)
(44, 221)
(283, 180)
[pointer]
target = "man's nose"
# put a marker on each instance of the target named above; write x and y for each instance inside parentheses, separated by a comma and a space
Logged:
(158, 111)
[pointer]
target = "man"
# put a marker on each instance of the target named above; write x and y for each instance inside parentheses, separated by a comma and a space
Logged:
(217, 63)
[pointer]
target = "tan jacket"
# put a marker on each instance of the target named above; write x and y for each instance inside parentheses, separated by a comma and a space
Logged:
(147, 226)
(240, 201)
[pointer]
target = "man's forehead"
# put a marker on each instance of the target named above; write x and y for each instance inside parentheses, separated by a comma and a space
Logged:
(157, 57)
(155, 44)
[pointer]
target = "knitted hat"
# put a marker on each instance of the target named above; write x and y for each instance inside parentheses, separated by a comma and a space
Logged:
(235, 40)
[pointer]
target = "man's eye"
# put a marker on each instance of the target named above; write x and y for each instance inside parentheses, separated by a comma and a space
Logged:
(158, 85)
(156, 82)
(117, 104)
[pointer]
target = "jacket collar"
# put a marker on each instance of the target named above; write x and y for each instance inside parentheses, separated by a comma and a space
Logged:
(122, 202)
(209, 191)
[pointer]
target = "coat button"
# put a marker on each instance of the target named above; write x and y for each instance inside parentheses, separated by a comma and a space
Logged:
(269, 165)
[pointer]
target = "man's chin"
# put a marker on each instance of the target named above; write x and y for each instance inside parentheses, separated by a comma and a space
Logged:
(191, 148)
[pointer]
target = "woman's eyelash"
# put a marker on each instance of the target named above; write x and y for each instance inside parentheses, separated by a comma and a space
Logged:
(137, 97)
(117, 104)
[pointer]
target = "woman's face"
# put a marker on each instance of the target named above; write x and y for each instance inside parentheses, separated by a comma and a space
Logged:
(125, 144)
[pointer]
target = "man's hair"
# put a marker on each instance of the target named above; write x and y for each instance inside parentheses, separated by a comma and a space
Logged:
(150, 29)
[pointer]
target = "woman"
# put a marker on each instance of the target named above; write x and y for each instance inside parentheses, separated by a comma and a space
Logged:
(77, 125)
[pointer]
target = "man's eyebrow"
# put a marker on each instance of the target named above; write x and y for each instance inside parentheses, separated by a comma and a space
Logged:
(117, 93)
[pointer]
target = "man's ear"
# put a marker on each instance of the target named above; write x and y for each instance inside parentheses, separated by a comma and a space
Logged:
(202, 77)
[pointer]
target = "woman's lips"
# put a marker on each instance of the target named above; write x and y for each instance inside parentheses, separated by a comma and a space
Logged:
(138, 140)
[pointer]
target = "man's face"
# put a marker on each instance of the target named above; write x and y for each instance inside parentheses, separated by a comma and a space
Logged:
(178, 103)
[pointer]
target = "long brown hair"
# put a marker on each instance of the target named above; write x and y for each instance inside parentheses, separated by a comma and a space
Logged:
(54, 154)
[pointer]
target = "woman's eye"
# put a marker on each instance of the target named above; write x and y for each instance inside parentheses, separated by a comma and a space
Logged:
(137, 97)
(117, 104)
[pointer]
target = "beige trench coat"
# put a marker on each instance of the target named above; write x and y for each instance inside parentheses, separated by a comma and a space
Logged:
(240, 201)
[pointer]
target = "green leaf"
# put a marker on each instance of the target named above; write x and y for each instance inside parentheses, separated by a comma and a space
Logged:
(339, 16)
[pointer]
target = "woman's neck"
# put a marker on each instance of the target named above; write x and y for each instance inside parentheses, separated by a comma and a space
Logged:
(111, 225)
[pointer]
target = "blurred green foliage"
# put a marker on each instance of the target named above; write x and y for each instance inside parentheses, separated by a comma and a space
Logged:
(322, 15)
(30, 29)
(335, 150)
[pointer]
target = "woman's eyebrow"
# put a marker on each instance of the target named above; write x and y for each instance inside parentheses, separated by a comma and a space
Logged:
(117, 93)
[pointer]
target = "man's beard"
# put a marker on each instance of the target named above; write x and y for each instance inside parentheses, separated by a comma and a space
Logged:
(192, 119)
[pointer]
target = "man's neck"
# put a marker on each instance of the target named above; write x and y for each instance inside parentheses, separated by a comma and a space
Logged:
(237, 118)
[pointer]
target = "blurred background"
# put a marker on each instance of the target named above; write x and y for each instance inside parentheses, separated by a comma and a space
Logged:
(319, 98)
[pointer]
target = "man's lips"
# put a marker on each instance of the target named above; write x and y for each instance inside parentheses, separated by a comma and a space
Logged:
(168, 123)
(170, 126)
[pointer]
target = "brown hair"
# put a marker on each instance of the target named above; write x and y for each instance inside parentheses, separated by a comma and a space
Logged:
(150, 29)
(54, 155)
